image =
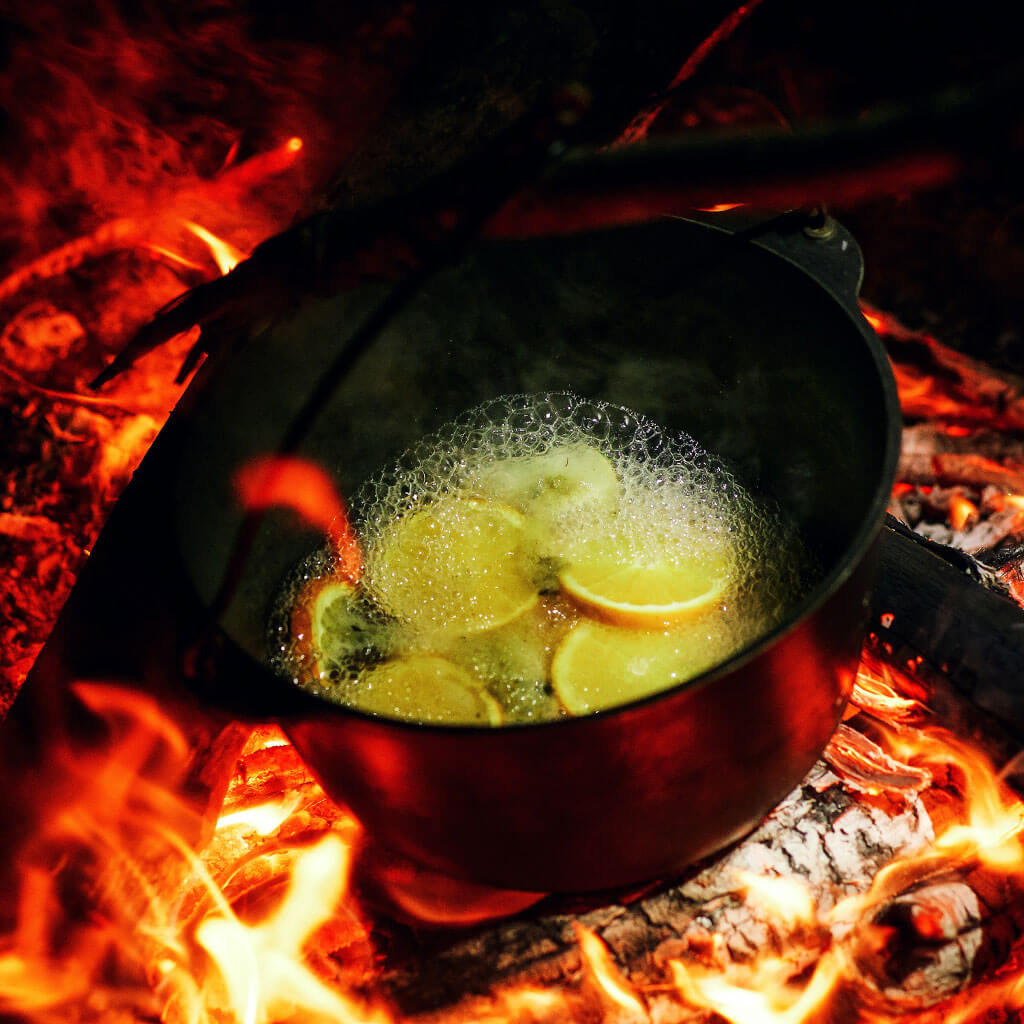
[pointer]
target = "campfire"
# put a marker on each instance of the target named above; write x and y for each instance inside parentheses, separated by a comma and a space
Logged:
(157, 880)
(887, 886)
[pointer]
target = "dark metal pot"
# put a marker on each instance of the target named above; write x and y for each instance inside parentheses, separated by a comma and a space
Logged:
(756, 348)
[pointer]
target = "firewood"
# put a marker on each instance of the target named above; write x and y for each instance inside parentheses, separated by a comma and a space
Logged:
(930, 438)
(823, 834)
(940, 937)
(950, 468)
(939, 382)
(925, 600)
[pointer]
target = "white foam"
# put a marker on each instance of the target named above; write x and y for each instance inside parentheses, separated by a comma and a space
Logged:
(665, 499)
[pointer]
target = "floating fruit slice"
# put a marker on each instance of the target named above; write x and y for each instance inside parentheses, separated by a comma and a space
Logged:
(599, 666)
(424, 688)
(514, 661)
(451, 566)
(555, 492)
(331, 624)
(615, 588)
(562, 479)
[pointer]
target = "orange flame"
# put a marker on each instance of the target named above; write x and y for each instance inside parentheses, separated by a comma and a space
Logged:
(1015, 501)
(262, 966)
(307, 489)
(989, 834)
(961, 511)
(208, 961)
(876, 321)
(606, 973)
(263, 818)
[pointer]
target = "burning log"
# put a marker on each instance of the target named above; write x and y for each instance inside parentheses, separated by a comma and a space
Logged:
(934, 940)
(823, 836)
(864, 878)
(937, 382)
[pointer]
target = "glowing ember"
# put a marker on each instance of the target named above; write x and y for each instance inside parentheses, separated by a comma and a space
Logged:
(132, 909)
(58, 496)
(961, 511)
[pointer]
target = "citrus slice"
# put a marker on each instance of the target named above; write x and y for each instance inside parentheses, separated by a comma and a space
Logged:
(514, 661)
(598, 666)
(424, 688)
(330, 624)
(554, 483)
(617, 589)
(452, 566)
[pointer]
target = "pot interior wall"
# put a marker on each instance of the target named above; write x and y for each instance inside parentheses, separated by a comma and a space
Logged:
(681, 323)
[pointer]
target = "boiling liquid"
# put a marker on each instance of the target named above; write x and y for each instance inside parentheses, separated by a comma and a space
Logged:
(471, 544)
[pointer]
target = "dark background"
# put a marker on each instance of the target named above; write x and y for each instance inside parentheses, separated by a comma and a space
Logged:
(386, 93)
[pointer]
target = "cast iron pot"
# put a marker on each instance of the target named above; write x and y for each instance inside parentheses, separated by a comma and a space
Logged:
(752, 342)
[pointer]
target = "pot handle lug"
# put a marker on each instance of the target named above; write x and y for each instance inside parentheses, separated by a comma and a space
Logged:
(811, 239)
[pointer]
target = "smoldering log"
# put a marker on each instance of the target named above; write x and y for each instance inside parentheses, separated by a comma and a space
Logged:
(941, 382)
(942, 936)
(991, 525)
(926, 440)
(925, 601)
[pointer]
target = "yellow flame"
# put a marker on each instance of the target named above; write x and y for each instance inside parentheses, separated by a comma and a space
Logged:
(605, 972)
(224, 254)
(262, 966)
(877, 322)
(960, 511)
(787, 900)
(264, 818)
(760, 994)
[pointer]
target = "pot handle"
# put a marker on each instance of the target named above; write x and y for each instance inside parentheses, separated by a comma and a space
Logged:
(810, 239)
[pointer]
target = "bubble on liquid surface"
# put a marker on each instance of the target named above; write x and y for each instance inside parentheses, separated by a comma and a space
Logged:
(465, 536)
(578, 472)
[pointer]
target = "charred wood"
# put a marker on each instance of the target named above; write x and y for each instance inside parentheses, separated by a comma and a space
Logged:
(824, 834)
(926, 601)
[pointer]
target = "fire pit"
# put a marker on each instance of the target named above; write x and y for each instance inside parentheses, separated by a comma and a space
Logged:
(134, 899)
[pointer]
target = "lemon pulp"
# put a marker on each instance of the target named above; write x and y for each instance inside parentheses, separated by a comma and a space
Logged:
(424, 688)
(451, 566)
(599, 666)
(625, 591)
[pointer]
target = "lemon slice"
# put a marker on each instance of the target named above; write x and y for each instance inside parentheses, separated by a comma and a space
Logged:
(424, 688)
(599, 666)
(514, 661)
(559, 481)
(452, 566)
(615, 588)
(330, 623)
